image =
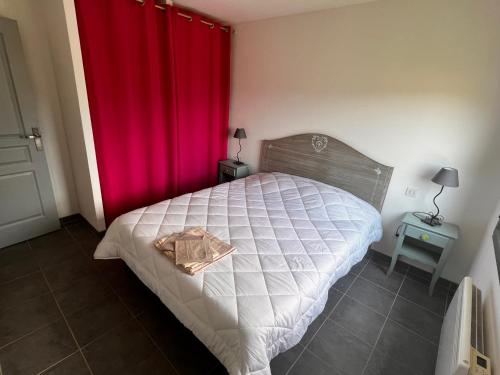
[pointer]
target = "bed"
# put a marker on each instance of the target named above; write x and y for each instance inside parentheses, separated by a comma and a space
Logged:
(298, 226)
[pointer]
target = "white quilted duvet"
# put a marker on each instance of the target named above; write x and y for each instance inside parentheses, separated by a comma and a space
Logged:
(294, 238)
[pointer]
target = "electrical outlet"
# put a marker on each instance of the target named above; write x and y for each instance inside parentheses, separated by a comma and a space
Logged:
(411, 192)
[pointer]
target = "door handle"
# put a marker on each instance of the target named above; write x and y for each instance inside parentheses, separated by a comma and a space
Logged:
(37, 137)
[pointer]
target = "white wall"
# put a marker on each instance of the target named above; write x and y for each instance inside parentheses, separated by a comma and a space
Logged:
(483, 218)
(412, 84)
(49, 34)
(485, 275)
(41, 72)
(65, 46)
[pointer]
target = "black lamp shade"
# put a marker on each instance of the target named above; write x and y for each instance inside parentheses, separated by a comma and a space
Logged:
(240, 133)
(447, 177)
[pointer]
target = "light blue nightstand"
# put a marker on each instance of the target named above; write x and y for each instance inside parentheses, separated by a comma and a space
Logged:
(424, 244)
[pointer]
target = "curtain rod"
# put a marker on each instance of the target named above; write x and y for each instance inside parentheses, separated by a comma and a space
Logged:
(188, 17)
(209, 24)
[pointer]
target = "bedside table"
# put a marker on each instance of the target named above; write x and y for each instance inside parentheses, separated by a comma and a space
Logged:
(425, 244)
(229, 171)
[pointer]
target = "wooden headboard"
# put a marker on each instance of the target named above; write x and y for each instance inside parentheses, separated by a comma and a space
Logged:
(326, 159)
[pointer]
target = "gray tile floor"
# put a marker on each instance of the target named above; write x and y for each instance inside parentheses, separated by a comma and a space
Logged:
(63, 313)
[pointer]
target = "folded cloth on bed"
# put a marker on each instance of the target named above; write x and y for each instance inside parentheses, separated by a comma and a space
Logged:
(217, 249)
(192, 249)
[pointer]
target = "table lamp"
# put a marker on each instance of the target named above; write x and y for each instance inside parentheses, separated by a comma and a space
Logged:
(445, 177)
(239, 134)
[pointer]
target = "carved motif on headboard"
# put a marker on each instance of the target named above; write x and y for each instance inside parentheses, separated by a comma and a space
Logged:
(319, 142)
(328, 160)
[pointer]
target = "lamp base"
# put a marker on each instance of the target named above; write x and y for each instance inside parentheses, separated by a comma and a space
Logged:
(238, 162)
(431, 220)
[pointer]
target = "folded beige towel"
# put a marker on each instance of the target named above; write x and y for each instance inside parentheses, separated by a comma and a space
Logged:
(218, 248)
(192, 249)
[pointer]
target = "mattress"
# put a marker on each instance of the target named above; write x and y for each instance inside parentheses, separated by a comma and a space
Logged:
(294, 238)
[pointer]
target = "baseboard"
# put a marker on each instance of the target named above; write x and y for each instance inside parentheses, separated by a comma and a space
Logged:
(72, 219)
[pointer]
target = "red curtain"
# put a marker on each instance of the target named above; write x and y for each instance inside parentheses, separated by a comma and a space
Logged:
(158, 90)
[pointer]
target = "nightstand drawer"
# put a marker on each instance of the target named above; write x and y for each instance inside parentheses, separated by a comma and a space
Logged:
(228, 171)
(426, 236)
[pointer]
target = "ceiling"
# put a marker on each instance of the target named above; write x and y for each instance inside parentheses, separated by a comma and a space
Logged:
(239, 11)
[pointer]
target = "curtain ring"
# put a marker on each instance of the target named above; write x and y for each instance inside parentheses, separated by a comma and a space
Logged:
(141, 2)
(186, 16)
(211, 25)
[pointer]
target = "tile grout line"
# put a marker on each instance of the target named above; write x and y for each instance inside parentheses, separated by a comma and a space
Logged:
(62, 317)
(29, 300)
(427, 278)
(365, 305)
(28, 334)
(96, 338)
(414, 333)
(135, 318)
(337, 371)
(19, 277)
(421, 281)
(77, 242)
(383, 325)
(327, 316)
(57, 363)
(49, 292)
(103, 279)
(347, 295)
(65, 320)
(422, 307)
(402, 297)
(69, 327)
(354, 334)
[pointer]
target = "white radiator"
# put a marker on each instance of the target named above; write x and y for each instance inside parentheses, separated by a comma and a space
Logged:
(461, 343)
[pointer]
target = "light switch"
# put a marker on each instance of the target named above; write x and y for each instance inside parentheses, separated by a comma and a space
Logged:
(411, 192)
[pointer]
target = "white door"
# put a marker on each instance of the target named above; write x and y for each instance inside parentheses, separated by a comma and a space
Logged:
(27, 205)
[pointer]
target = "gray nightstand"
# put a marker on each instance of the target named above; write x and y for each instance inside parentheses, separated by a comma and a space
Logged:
(229, 171)
(428, 245)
